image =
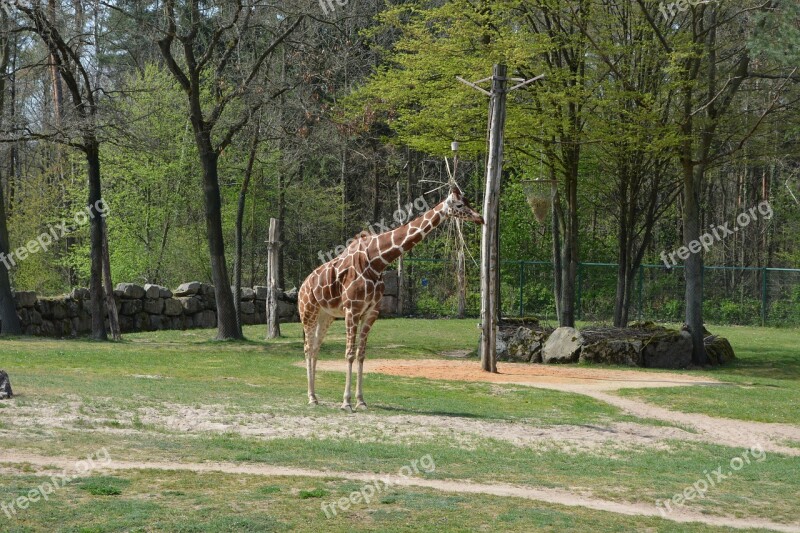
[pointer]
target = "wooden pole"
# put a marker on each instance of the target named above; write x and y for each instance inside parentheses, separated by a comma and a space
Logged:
(491, 204)
(273, 248)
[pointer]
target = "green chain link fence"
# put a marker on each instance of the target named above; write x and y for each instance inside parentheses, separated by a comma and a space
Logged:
(733, 295)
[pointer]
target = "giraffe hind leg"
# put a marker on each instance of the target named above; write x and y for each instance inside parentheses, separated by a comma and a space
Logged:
(366, 326)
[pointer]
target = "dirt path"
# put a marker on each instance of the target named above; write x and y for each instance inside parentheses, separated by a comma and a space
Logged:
(597, 383)
(547, 495)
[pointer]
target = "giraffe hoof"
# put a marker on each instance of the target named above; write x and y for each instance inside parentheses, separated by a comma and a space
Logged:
(362, 405)
(313, 402)
(347, 408)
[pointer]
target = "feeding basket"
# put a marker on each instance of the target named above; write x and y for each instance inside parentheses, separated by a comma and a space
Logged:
(540, 197)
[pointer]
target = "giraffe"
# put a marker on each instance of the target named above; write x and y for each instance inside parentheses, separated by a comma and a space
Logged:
(351, 287)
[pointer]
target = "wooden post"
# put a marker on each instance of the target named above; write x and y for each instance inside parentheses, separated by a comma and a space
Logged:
(491, 203)
(273, 248)
(490, 271)
(113, 318)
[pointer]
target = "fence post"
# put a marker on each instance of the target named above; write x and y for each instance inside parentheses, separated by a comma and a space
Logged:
(764, 297)
(580, 291)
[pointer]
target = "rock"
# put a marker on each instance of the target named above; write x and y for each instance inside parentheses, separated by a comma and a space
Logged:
(25, 298)
(388, 305)
(209, 301)
(286, 311)
(668, 350)
(131, 291)
(524, 346)
(188, 289)
(173, 307)
(58, 309)
(5, 386)
(206, 320)
(289, 296)
(79, 293)
(165, 293)
(156, 322)
(36, 317)
(207, 289)
(152, 291)
(626, 352)
(390, 283)
(563, 346)
(719, 350)
(154, 306)
(261, 292)
(131, 307)
(248, 308)
(248, 294)
(192, 304)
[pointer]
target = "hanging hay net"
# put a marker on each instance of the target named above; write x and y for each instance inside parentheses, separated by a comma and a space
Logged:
(539, 195)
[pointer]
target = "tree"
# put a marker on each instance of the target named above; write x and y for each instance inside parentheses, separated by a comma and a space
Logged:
(9, 321)
(223, 93)
(82, 119)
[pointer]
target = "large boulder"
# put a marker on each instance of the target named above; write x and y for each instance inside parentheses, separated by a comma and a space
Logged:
(154, 306)
(173, 307)
(672, 349)
(719, 350)
(261, 292)
(152, 291)
(390, 283)
(521, 345)
(25, 298)
(188, 289)
(5, 386)
(80, 293)
(192, 304)
(131, 291)
(611, 351)
(563, 346)
(131, 307)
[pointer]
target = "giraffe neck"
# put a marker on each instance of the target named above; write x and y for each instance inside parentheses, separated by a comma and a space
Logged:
(392, 244)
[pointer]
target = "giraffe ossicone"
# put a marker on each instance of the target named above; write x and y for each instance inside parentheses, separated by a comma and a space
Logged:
(351, 287)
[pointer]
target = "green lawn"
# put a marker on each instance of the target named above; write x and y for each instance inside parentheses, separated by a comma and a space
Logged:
(767, 372)
(76, 396)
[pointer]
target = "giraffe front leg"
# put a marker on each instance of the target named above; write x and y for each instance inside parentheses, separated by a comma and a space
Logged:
(352, 331)
(362, 348)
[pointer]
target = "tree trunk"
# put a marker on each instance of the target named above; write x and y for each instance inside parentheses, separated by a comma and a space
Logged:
(9, 321)
(237, 263)
(96, 234)
(227, 324)
(693, 266)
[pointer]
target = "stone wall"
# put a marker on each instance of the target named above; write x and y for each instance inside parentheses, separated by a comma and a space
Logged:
(153, 308)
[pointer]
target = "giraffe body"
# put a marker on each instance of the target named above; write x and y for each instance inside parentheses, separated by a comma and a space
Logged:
(351, 287)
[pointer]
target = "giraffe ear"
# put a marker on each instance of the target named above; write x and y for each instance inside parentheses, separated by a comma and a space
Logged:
(456, 191)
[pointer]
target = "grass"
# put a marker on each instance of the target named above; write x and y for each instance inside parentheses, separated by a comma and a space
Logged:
(107, 391)
(186, 502)
(767, 375)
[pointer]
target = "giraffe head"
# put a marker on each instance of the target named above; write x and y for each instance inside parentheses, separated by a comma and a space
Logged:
(456, 206)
